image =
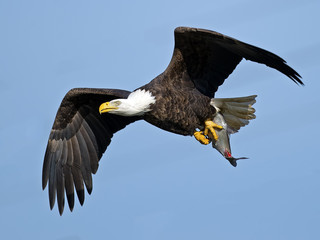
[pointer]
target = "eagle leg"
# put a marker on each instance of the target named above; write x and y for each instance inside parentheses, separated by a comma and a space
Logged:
(210, 126)
(201, 137)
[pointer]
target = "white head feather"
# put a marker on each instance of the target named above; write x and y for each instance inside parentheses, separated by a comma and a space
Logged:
(137, 103)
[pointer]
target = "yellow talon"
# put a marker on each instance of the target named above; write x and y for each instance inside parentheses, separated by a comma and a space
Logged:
(209, 125)
(209, 132)
(201, 138)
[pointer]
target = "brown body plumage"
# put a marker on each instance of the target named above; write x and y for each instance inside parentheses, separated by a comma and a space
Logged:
(188, 107)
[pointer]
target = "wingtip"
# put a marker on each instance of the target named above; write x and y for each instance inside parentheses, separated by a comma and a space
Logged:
(51, 203)
(89, 190)
(61, 208)
(291, 73)
(298, 80)
(70, 198)
(80, 194)
(44, 184)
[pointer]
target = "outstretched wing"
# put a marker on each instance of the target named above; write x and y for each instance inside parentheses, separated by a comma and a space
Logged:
(79, 137)
(208, 58)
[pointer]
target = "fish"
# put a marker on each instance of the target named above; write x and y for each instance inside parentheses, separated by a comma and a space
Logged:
(222, 145)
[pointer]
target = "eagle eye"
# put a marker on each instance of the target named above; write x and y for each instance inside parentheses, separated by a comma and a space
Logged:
(116, 103)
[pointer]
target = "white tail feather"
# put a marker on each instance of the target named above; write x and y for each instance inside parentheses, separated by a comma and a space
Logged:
(236, 111)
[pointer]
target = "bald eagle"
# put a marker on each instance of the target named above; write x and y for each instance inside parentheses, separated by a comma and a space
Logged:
(180, 100)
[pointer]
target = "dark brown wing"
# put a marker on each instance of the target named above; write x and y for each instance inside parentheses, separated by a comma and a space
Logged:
(209, 58)
(79, 137)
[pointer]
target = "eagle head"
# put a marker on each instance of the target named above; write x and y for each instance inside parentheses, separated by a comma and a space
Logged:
(137, 103)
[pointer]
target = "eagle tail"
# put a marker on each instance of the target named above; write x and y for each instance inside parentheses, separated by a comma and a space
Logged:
(236, 111)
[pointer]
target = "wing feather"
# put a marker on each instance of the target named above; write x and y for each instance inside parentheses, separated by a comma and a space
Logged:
(69, 185)
(92, 153)
(76, 169)
(60, 177)
(85, 162)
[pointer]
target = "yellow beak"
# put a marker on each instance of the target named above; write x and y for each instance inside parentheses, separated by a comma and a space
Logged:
(106, 107)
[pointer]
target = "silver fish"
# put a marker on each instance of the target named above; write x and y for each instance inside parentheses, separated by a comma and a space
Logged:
(223, 142)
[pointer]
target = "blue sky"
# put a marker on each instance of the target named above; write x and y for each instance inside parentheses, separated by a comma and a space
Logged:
(153, 184)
